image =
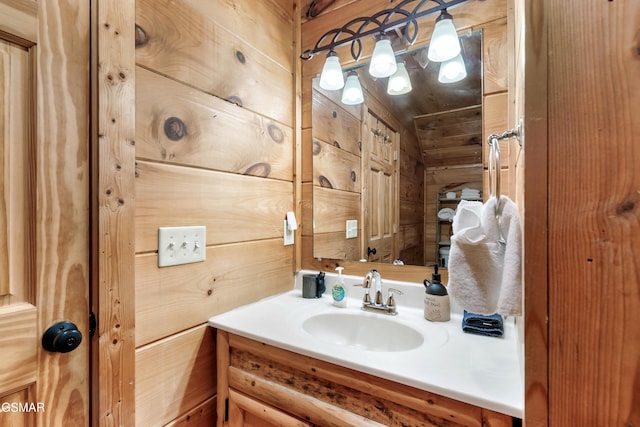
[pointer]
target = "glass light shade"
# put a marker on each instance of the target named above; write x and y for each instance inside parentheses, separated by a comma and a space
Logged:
(352, 93)
(445, 43)
(383, 60)
(331, 77)
(399, 83)
(453, 70)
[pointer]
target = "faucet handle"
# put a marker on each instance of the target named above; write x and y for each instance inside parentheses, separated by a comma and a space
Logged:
(391, 302)
(366, 299)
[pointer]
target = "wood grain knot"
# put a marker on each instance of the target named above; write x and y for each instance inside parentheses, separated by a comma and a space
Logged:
(275, 133)
(334, 114)
(317, 148)
(142, 38)
(354, 177)
(324, 182)
(628, 205)
(175, 129)
(235, 100)
(262, 169)
(240, 57)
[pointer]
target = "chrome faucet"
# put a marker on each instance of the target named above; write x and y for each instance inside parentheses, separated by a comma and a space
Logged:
(373, 279)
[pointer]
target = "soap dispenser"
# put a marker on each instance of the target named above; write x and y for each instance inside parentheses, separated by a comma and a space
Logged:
(339, 291)
(436, 299)
(320, 287)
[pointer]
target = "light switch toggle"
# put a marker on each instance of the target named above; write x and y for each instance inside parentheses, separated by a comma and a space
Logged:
(181, 245)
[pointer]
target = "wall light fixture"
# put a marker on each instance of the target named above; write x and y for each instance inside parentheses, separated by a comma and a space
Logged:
(352, 93)
(331, 77)
(399, 83)
(383, 60)
(444, 45)
(453, 70)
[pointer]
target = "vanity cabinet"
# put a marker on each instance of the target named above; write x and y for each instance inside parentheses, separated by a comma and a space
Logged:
(261, 385)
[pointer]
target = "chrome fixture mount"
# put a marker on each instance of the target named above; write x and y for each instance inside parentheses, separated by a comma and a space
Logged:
(403, 16)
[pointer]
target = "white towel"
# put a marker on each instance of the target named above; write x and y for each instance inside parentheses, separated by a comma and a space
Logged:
(485, 276)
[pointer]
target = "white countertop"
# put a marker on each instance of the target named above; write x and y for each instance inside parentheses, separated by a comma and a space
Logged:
(479, 370)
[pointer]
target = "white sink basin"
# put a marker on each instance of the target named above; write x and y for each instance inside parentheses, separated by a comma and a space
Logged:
(364, 332)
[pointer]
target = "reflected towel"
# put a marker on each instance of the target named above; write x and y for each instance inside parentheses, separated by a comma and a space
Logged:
(467, 224)
(474, 323)
(485, 276)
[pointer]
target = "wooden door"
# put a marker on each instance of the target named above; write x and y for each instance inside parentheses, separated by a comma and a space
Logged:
(380, 193)
(44, 209)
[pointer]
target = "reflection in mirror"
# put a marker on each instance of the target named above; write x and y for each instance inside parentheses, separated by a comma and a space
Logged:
(379, 167)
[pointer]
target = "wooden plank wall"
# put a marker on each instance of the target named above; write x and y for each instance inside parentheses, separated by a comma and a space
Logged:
(113, 288)
(214, 123)
(411, 229)
(337, 182)
(487, 15)
(530, 53)
(593, 211)
(461, 127)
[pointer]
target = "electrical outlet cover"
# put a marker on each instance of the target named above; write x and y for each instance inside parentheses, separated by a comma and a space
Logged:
(288, 235)
(352, 228)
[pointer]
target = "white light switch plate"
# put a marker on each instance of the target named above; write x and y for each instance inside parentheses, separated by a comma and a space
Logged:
(181, 245)
(352, 228)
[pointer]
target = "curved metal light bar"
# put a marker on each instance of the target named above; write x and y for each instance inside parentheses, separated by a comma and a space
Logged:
(401, 16)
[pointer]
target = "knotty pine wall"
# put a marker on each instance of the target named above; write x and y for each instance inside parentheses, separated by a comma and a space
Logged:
(491, 17)
(215, 117)
(336, 151)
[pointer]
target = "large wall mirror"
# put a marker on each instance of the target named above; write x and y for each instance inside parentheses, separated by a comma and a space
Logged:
(382, 169)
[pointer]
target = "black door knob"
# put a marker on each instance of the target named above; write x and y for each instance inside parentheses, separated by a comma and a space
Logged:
(62, 337)
(371, 251)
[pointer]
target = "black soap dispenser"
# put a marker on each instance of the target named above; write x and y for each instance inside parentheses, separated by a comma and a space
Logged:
(436, 299)
(320, 286)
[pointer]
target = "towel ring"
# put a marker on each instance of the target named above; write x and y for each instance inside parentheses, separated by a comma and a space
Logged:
(494, 166)
(494, 159)
(494, 169)
(494, 183)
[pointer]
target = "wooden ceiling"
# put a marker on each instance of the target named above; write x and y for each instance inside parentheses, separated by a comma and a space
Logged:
(447, 117)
